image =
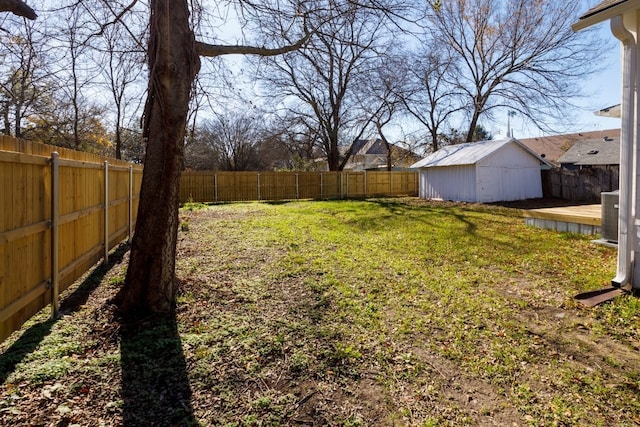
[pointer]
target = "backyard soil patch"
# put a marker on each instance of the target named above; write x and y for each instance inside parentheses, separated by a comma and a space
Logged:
(340, 314)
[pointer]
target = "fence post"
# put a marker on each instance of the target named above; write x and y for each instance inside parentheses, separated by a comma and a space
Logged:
(106, 212)
(297, 188)
(391, 183)
(347, 187)
(215, 187)
(55, 236)
(130, 202)
(365, 184)
(321, 186)
(258, 174)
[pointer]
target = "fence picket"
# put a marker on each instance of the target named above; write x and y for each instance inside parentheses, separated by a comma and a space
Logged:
(106, 213)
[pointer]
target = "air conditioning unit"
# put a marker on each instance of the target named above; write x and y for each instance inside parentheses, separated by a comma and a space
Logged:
(609, 227)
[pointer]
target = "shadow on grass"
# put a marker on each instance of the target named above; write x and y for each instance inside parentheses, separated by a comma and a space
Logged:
(415, 211)
(279, 202)
(34, 335)
(155, 385)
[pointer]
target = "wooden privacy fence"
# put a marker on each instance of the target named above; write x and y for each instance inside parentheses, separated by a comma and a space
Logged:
(580, 185)
(247, 186)
(61, 212)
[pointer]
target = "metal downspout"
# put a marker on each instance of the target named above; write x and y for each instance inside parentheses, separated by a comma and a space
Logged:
(625, 217)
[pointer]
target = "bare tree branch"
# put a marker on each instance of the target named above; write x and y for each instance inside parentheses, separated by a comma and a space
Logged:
(17, 7)
(212, 50)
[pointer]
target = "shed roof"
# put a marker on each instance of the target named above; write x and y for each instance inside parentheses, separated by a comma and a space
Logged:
(593, 152)
(467, 154)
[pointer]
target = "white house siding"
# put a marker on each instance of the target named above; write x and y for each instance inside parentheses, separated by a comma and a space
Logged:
(449, 183)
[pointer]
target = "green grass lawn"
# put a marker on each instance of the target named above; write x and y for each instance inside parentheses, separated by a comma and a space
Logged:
(377, 312)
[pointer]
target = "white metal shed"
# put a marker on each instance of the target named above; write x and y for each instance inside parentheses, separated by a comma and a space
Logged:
(484, 172)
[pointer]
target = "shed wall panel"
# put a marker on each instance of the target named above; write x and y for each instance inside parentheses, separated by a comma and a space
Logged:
(448, 183)
(508, 183)
(511, 155)
(509, 173)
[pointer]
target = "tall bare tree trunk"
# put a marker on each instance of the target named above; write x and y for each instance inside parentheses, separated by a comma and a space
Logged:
(150, 285)
(473, 124)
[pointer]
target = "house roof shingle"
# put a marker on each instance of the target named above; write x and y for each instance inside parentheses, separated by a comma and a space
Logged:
(604, 5)
(606, 9)
(593, 152)
(375, 152)
(553, 147)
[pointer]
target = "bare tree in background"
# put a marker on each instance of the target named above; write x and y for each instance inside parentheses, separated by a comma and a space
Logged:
(50, 71)
(319, 83)
(430, 94)
(75, 72)
(234, 138)
(24, 79)
(381, 98)
(122, 69)
(517, 54)
(299, 138)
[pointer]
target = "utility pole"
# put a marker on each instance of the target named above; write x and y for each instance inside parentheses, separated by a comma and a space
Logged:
(510, 113)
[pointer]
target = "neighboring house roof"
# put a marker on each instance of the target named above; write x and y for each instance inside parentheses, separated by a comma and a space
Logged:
(369, 146)
(593, 152)
(468, 154)
(373, 146)
(355, 148)
(372, 153)
(553, 147)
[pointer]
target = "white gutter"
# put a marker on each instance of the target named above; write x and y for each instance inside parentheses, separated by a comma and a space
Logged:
(625, 216)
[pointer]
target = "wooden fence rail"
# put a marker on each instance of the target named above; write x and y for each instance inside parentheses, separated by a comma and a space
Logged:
(60, 213)
(247, 186)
